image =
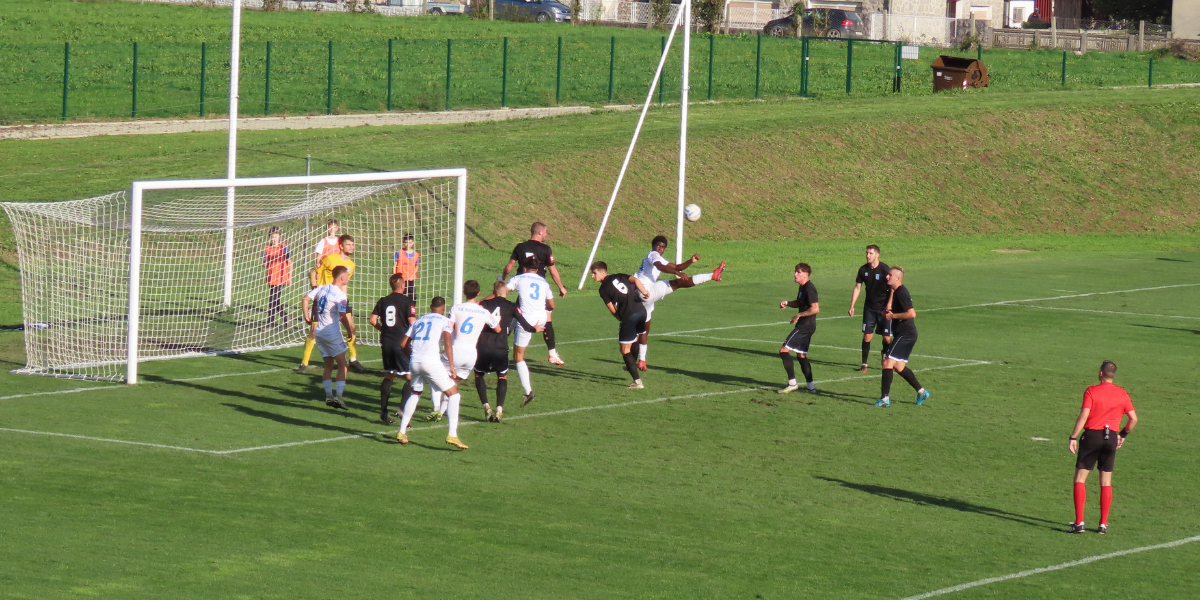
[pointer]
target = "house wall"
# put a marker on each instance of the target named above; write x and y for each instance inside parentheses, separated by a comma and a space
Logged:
(1024, 6)
(1185, 19)
(924, 8)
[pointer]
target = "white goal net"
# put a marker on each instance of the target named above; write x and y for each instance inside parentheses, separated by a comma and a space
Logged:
(147, 274)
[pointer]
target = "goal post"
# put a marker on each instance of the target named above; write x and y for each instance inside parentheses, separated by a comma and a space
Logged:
(114, 281)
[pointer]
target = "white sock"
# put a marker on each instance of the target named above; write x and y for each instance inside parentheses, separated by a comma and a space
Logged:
(341, 387)
(791, 382)
(437, 401)
(701, 278)
(452, 411)
(554, 353)
(328, 387)
(499, 410)
(410, 407)
(812, 385)
(523, 374)
(642, 351)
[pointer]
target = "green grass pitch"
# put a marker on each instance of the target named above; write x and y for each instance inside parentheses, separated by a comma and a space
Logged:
(227, 477)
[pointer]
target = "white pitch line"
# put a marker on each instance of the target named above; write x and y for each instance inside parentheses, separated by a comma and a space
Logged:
(1107, 312)
(1003, 302)
(1059, 567)
(70, 391)
(109, 440)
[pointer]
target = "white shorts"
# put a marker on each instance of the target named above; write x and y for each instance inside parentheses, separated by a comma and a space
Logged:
(658, 290)
(434, 374)
(521, 338)
(464, 362)
(329, 345)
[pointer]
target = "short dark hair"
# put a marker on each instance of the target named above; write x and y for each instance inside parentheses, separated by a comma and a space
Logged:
(803, 267)
(408, 236)
(598, 266)
(471, 289)
(1108, 368)
(396, 281)
(331, 222)
(658, 239)
(338, 271)
(342, 239)
(531, 263)
(536, 228)
(873, 247)
(437, 303)
(274, 230)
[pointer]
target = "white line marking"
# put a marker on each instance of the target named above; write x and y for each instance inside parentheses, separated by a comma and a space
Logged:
(1040, 439)
(1106, 312)
(1059, 567)
(1066, 291)
(110, 440)
(70, 391)
(1003, 302)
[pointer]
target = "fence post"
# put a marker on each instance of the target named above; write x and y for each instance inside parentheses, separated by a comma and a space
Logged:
(1064, 69)
(391, 42)
(329, 82)
(1083, 41)
(1150, 78)
(1141, 36)
(449, 55)
(66, 76)
(203, 69)
(661, 76)
(612, 62)
(757, 66)
(850, 62)
(1053, 32)
(133, 110)
(898, 59)
(712, 40)
(804, 43)
(558, 74)
(267, 90)
(504, 77)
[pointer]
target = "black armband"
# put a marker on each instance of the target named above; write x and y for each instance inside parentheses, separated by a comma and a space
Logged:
(1123, 433)
(1073, 438)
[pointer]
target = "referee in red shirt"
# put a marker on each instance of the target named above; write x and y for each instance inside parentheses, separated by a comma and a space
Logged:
(1099, 420)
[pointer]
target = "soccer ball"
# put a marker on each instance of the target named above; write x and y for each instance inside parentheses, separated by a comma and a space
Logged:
(691, 212)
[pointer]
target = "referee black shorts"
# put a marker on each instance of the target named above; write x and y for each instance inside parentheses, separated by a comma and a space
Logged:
(1093, 448)
(491, 360)
(633, 325)
(901, 348)
(798, 341)
(394, 359)
(873, 322)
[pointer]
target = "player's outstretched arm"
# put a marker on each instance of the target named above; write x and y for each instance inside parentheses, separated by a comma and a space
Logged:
(641, 288)
(562, 291)
(854, 298)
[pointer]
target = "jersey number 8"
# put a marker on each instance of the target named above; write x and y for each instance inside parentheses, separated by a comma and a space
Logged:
(389, 316)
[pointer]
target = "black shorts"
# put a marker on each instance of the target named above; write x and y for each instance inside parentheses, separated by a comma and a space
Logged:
(797, 341)
(902, 347)
(633, 325)
(1093, 447)
(491, 360)
(394, 359)
(873, 322)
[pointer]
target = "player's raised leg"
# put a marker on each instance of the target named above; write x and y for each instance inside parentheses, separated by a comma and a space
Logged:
(653, 265)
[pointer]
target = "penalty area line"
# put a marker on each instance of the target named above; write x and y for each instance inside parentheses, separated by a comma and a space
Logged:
(1058, 567)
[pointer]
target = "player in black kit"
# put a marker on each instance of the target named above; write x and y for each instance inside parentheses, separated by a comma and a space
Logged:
(806, 325)
(536, 246)
(900, 312)
(392, 315)
(874, 276)
(617, 293)
(492, 349)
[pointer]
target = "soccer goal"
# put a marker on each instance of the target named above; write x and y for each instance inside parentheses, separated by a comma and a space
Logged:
(172, 269)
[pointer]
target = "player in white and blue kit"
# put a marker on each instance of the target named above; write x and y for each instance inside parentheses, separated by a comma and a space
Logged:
(654, 265)
(534, 301)
(467, 320)
(428, 335)
(331, 304)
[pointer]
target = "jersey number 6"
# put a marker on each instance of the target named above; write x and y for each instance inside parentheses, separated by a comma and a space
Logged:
(466, 327)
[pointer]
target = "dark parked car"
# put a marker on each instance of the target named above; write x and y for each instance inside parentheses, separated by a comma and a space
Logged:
(540, 11)
(819, 22)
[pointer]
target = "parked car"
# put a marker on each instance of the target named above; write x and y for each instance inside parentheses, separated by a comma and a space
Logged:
(819, 22)
(540, 11)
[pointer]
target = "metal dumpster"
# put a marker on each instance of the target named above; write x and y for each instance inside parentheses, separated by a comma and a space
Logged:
(957, 73)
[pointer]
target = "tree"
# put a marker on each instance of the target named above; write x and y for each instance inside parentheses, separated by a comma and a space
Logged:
(1154, 11)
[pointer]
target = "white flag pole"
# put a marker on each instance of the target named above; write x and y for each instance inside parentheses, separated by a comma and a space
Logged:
(235, 53)
(686, 8)
(662, 61)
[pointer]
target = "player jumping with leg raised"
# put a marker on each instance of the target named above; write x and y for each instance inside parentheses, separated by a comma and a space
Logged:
(873, 275)
(653, 265)
(535, 247)
(330, 313)
(806, 325)
(626, 306)
(425, 335)
(534, 303)
(392, 316)
(900, 312)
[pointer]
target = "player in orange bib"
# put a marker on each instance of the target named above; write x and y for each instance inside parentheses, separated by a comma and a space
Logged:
(278, 263)
(408, 263)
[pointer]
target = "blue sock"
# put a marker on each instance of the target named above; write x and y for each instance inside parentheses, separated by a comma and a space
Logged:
(328, 387)
(341, 386)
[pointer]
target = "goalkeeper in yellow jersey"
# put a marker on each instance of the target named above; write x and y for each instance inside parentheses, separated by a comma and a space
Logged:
(324, 273)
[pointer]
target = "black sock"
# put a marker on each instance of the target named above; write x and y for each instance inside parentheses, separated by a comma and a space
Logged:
(481, 387)
(788, 365)
(385, 392)
(406, 391)
(806, 368)
(548, 335)
(501, 391)
(866, 351)
(631, 363)
(885, 389)
(886, 346)
(911, 378)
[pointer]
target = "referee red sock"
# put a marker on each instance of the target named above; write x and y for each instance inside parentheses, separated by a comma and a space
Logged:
(1105, 503)
(1080, 501)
